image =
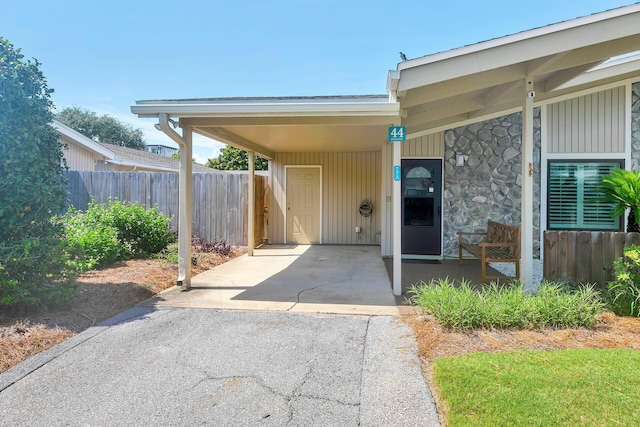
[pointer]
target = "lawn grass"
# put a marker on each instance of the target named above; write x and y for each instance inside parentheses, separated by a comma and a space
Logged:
(541, 388)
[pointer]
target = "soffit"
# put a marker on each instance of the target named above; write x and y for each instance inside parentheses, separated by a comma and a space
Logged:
(477, 81)
(270, 125)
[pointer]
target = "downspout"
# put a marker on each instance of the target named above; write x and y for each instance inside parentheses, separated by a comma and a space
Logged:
(185, 197)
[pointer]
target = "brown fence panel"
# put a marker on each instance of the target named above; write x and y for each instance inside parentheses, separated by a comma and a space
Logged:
(219, 199)
(584, 256)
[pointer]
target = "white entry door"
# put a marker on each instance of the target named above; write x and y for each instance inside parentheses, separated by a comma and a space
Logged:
(303, 205)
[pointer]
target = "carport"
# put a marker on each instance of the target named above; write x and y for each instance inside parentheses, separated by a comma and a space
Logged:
(426, 95)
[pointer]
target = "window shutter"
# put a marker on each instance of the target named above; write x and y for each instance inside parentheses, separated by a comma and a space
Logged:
(574, 200)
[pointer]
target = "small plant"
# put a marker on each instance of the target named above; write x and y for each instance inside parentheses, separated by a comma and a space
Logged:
(116, 230)
(622, 187)
(218, 246)
(507, 306)
(624, 292)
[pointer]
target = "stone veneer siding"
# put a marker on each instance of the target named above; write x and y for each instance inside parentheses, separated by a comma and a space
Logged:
(635, 126)
(488, 186)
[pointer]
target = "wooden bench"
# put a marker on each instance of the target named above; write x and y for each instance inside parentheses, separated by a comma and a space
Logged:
(501, 244)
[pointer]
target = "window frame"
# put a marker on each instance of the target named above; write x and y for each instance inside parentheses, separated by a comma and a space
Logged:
(618, 163)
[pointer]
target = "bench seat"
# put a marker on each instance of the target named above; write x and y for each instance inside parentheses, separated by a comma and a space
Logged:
(501, 244)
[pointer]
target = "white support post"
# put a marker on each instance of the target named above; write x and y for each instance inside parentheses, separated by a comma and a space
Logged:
(185, 196)
(185, 200)
(397, 223)
(251, 207)
(526, 239)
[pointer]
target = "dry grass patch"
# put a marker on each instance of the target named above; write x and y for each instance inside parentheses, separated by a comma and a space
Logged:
(610, 331)
(102, 294)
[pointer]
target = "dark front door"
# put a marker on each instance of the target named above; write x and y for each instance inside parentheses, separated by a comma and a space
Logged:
(421, 206)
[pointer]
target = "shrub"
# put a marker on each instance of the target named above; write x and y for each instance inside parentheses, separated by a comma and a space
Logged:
(33, 256)
(93, 244)
(142, 232)
(35, 273)
(116, 230)
(502, 306)
(624, 293)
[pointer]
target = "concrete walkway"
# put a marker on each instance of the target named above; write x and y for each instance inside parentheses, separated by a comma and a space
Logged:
(168, 363)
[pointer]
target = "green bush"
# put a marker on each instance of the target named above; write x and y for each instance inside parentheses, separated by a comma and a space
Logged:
(93, 243)
(35, 273)
(624, 292)
(142, 232)
(499, 306)
(116, 230)
(34, 268)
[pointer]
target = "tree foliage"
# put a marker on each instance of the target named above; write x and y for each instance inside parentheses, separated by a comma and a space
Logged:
(234, 159)
(31, 156)
(32, 190)
(102, 128)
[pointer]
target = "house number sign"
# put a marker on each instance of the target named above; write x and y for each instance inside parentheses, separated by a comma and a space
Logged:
(397, 133)
(396, 173)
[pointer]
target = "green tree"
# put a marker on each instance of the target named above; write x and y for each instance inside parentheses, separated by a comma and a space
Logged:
(622, 188)
(102, 128)
(234, 159)
(32, 190)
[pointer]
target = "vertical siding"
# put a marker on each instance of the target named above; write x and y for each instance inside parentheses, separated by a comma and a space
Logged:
(424, 146)
(588, 124)
(347, 180)
(77, 158)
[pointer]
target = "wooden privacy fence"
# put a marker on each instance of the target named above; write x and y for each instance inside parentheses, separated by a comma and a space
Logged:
(219, 199)
(584, 256)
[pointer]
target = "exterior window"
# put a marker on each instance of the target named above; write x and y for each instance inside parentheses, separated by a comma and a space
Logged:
(574, 196)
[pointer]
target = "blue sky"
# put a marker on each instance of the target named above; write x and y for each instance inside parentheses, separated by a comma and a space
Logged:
(105, 55)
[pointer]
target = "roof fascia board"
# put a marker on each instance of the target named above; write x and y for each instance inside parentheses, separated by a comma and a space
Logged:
(292, 121)
(86, 142)
(125, 162)
(524, 35)
(521, 47)
(176, 109)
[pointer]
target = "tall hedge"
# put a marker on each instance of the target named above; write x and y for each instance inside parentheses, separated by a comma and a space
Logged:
(32, 264)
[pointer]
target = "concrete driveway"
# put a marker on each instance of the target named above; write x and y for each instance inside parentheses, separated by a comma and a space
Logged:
(297, 278)
(184, 366)
(169, 363)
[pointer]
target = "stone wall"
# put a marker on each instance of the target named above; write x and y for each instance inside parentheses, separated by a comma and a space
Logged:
(635, 126)
(488, 186)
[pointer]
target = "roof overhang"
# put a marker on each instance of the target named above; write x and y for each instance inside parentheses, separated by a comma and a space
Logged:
(270, 125)
(428, 94)
(86, 143)
(474, 82)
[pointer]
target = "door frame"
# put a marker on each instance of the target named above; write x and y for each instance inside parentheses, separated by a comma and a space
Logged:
(431, 257)
(286, 170)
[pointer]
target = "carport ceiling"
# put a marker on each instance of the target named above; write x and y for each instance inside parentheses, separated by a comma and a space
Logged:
(482, 80)
(305, 138)
(270, 125)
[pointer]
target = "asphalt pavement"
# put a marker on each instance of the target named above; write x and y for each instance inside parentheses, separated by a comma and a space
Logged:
(172, 366)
